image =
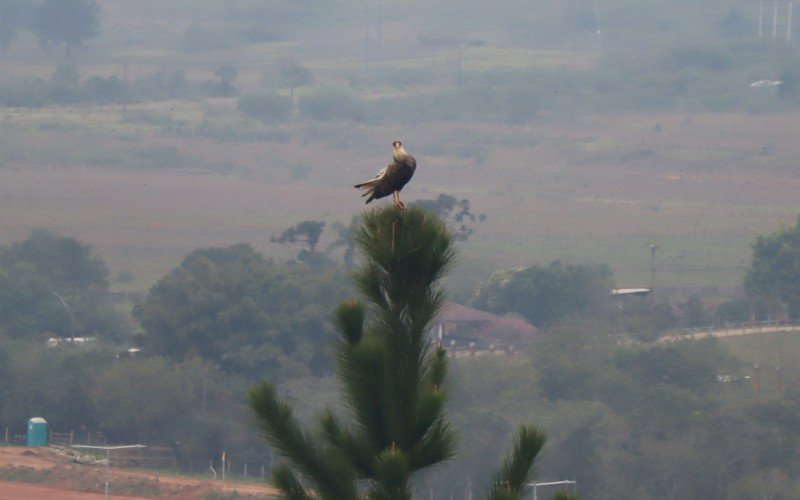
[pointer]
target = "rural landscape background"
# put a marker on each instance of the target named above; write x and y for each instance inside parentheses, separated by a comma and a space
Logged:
(176, 178)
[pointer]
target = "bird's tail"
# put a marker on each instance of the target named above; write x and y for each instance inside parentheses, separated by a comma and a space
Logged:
(368, 188)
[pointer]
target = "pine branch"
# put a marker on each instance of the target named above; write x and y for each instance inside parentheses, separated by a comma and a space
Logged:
(358, 452)
(288, 484)
(328, 474)
(518, 467)
(349, 319)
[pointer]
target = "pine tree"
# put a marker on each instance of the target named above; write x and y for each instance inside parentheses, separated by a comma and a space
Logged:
(394, 381)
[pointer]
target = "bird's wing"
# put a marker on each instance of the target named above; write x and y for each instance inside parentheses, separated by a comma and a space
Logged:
(381, 175)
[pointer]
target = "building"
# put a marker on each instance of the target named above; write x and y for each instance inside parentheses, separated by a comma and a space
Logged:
(465, 325)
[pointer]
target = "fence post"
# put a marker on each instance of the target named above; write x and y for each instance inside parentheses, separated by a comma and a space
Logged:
(757, 379)
(262, 471)
(245, 470)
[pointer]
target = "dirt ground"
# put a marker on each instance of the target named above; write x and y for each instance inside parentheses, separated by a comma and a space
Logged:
(33, 473)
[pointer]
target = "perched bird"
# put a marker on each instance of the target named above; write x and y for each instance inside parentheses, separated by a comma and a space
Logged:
(392, 177)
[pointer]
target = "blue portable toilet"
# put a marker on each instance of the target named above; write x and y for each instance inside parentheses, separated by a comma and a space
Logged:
(37, 432)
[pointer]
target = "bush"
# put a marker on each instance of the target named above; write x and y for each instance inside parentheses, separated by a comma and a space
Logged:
(333, 105)
(265, 106)
(712, 59)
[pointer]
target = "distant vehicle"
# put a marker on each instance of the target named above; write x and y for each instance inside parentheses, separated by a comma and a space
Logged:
(129, 353)
(766, 83)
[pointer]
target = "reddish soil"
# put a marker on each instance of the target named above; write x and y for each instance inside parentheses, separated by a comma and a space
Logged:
(32, 473)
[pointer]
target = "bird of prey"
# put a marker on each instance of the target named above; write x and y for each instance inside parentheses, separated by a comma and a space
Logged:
(392, 177)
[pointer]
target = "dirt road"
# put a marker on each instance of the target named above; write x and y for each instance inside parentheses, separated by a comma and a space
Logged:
(48, 472)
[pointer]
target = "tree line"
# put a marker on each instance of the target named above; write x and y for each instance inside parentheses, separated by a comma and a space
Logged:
(227, 317)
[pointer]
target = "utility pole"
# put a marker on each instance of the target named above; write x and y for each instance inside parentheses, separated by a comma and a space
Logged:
(775, 20)
(366, 38)
(789, 22)
(653, 248)
(761, 19)
(378, 42)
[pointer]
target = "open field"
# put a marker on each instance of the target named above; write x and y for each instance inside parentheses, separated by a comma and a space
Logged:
(597, 189)
(149, 182)
(779, 349)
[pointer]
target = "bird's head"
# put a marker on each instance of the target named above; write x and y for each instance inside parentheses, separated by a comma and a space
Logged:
(397, 148)
(397, 145)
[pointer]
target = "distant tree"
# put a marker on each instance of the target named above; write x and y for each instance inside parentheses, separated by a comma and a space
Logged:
(790, 82)
(546, 295)
(289, 74)
(234, 308)
(345, 238)
(103, 90)
(775, 270)
(226, 73)
(67, 21)
(268, 107)
(145, 400)
(41, 271)
(457, 212)
(690, 365)
(65, 84)
(56, 383)
(65, 261)
(694, 314)
(308, 230)
(394, 383)
(331, 104)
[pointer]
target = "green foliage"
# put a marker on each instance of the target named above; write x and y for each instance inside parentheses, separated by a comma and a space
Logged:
(546, 295)
(226, 73)
(775, 270)
(332, 105)
(690, 365)
(394, 384)
(235, 308)
(142, 399)
(464, 223)
(37, 274)
(266, 106)
(345, 237)
(55, 383)
(517, 469)
(289, 74)
(310, 230)
(68, 263)
(699, 57)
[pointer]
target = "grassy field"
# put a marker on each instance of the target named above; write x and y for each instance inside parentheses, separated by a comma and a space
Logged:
(147, 183)
(598, 189)
(769, 351)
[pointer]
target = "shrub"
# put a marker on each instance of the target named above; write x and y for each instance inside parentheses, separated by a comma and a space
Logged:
(265, 106)
(332, 105)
